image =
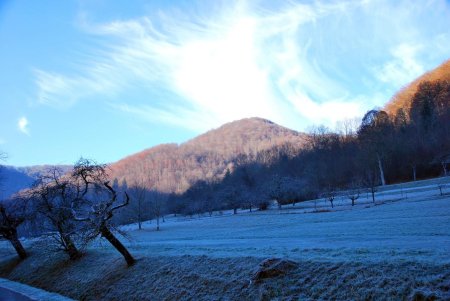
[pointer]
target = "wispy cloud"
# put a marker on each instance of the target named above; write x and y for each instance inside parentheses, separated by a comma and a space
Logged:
(22, 124)
(2, 141)
(294, 64)
(403, 67)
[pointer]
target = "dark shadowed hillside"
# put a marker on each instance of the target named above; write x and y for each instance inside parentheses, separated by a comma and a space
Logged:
(173, 168)
(18, 178)
(403, 98)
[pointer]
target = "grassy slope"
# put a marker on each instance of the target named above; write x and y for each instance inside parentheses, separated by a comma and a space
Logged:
(99, 277)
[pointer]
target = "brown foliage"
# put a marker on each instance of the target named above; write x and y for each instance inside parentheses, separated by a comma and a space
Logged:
(174, 168)
(403, 98)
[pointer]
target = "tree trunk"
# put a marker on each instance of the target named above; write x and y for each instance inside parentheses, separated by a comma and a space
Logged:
(331, 201)
(380, 166)
(444, 167)
(157, 223)
(373, 194)
(71, 249)
(69, 246)
(234, 210)
(18, 246)
(106, 233)
(414, 173)
(139, 215)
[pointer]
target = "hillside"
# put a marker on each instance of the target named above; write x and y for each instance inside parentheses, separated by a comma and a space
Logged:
(403, 98)
(173, 168)
(14, 179)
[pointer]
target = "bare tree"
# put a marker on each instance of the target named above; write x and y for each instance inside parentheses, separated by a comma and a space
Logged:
(10, 219)
(209, 200)
(371, 180)
(52, 196)
(375, 134)
(354, 191)
(98, 199)
(232, 198)
(276, 190)
(157, 202)
(445, 160)
(442, 184)
(330, 195)
(348, 128)
(231, 193)
(201, 197)
(285, 190)
(247, 176)
(148, 195)
(139, 202)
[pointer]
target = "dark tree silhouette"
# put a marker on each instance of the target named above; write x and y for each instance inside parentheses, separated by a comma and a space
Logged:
(52, 195)
(354, 191)
(10, 219)
(139, 208)
(330, 195)
(99, 201)
(375, 135)
(371, 181)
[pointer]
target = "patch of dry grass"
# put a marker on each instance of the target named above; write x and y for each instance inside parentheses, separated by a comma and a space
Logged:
(103, 275)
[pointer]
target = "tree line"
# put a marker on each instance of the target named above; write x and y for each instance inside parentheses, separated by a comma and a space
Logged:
(411, 144)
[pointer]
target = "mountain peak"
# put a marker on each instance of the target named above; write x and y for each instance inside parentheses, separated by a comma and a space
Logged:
(248, 135)
(173, 168)
(253, 119)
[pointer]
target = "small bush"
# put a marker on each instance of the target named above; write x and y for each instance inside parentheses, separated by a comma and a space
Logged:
(263, 206)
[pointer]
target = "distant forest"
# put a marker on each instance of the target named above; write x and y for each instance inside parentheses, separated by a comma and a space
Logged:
(405, 146)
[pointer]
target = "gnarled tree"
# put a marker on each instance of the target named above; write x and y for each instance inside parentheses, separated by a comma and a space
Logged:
(10, 219)
(96, 202)
(52, 195)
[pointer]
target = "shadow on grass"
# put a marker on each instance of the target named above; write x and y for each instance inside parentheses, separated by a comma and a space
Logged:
(8, 265)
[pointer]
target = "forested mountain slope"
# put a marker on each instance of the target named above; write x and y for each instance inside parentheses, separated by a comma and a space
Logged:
(403, 98)
(173, 168)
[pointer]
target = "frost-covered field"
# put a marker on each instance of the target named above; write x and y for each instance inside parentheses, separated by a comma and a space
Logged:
(413, 226)
(396, 248)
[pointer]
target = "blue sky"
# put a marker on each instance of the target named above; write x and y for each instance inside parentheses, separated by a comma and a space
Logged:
(105, 79)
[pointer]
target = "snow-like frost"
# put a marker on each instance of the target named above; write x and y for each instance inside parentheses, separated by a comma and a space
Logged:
(404, 224)
(390, 250)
